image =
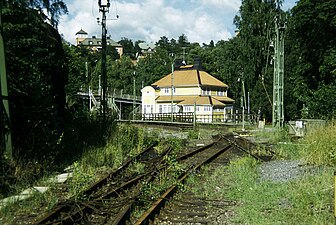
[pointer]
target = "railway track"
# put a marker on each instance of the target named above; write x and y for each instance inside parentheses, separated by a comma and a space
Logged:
(174, 207)
(113, 199)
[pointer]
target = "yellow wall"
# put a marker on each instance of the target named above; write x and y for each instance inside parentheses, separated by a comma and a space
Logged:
(181, 91)
(188, 91)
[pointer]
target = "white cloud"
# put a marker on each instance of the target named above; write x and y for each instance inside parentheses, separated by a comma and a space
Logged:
(149, 20)
(223, 4)
(200, 20)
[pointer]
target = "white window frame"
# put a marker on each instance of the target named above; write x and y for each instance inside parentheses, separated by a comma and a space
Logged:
(207, 108)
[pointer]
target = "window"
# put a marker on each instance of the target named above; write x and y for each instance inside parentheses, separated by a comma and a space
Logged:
(198, 108)
(207, 108)
(160, 108)
(90, 42)
(188, 108)
(220, 92)
(148, 109)
(174, 90)
(99, 42)
(166, 90)
(206, 91)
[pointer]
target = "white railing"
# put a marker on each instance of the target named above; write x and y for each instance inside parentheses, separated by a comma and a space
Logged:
(119, 94)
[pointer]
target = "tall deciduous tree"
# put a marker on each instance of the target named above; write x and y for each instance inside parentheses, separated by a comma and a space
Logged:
(128, 47)
(312, 30)
(37, 74)
(53, 8)
(255, 24)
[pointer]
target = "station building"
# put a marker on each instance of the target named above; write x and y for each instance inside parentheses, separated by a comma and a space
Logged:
(188, 89)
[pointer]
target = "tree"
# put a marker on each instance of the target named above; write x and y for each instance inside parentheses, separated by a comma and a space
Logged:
(128, 47)
(37, 74)
(312, 29)
(255, 22)
(53, 8)
(120, 74)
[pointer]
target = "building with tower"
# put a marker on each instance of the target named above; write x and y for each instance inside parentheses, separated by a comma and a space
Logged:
(94, 43)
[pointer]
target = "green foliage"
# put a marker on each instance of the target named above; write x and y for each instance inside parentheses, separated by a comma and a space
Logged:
(312, 66)
(121, 75)
(54, 8)
(37, 73)
(80, 181)
(319, 145)
(128, 47)
(193, 134)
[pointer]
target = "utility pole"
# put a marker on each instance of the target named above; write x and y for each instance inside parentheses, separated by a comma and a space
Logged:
(172, 91)
(4, 107)
(278, 81)
(172, 87)
(134, 95)
(104, 8)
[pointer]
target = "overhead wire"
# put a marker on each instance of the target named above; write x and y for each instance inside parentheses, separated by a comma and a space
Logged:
(266, 67)
(268, 40)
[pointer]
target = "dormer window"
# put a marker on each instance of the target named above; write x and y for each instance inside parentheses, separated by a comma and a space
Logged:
(206, 91)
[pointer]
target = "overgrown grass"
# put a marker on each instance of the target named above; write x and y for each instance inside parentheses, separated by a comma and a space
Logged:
(307, 200)
(319, 145)
(272, 135)
(125, 141)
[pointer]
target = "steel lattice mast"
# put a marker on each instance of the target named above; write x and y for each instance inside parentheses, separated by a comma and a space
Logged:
(278, 82)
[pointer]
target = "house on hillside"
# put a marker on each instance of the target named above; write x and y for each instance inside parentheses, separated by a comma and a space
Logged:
(188, 89)
(95, 43)
(146, 49)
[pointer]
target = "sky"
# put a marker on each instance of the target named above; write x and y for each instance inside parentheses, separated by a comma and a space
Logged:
(148, 20)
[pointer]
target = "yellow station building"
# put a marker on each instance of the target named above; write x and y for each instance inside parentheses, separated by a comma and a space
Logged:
(188, 89)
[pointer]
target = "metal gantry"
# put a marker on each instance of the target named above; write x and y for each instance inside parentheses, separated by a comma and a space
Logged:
(278, 82)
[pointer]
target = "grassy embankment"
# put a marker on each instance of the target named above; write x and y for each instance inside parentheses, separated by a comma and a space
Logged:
(125, 141)
(304, 200)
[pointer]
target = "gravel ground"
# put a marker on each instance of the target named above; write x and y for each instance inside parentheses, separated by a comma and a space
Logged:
(280, 171)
